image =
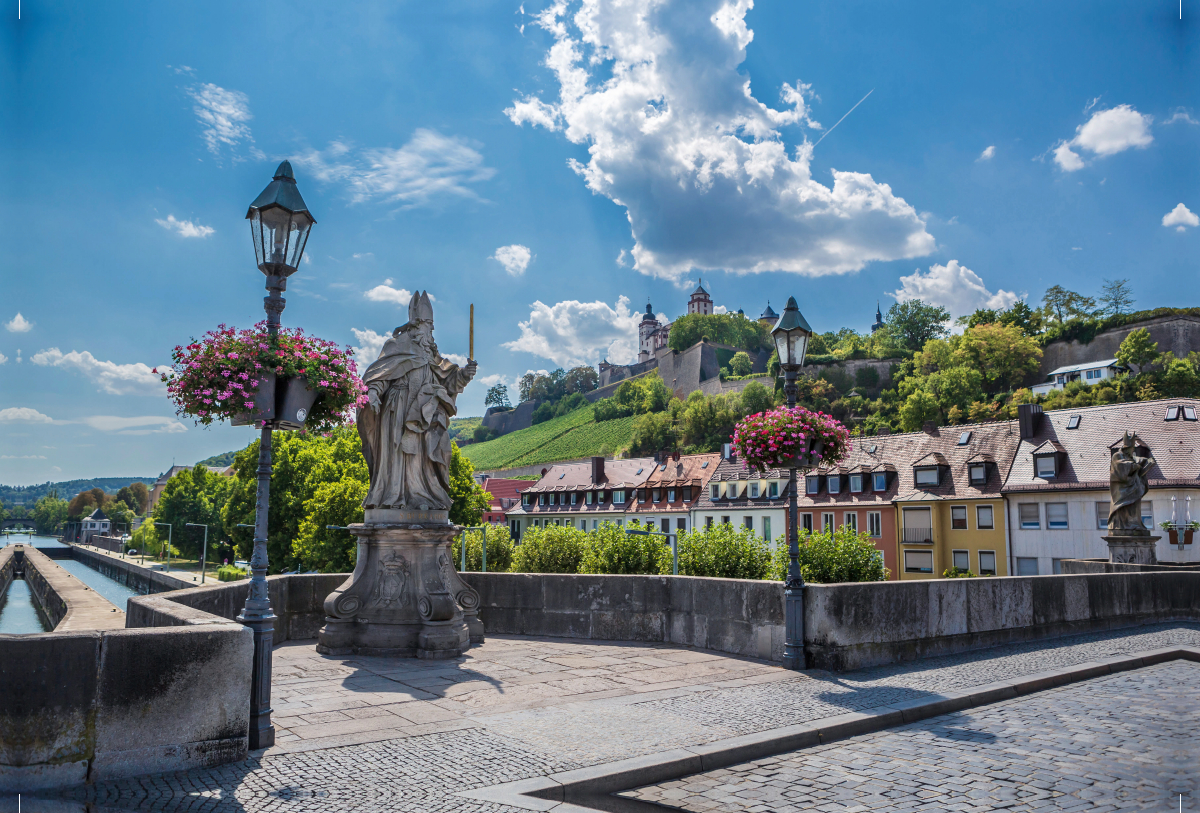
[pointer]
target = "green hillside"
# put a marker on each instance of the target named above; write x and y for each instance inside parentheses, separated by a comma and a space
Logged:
(570, 436)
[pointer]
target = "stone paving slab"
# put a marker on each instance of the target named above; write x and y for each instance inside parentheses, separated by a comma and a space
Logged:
(511, 727)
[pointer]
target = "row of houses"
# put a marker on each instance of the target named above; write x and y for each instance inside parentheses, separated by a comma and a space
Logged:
(1004, 498)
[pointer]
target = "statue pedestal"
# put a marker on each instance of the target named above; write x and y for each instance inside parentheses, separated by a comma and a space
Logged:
(1132, 547)
(404, 598)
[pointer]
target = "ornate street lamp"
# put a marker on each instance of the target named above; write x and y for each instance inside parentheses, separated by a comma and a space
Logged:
(791, 337)
(279, 225)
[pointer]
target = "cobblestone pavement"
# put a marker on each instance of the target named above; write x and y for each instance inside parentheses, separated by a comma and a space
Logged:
(1121, 742)
(376, 734)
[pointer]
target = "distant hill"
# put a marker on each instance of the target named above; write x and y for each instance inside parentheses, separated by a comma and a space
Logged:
(464, 427)
(219, 461)
(568, 437)
(11, 495)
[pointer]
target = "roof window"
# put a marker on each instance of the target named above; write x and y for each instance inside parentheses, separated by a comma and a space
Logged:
(1172, 413)
(1189, 413)
(704, 465)
(964, 438)
(872, 450)
(1073, 422)
(639, 471)
(564, 474)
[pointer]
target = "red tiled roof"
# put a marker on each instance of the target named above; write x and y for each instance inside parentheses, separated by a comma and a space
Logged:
(503, 489)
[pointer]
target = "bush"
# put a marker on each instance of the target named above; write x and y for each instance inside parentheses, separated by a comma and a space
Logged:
(229, 573)
(609, 549)
(741, 364)
(957, 573)
(831, 558)
(721, 551)
(499, 549)
(552, 549)
(481, 434)
(543, 413)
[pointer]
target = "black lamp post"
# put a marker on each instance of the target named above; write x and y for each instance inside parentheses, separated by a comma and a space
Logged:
(279, 224)
(791, 337)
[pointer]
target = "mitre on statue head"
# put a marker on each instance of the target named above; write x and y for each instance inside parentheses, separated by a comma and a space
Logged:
(420, 309)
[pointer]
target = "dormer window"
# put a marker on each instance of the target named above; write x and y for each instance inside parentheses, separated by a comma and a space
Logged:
(656, 494)
(833, 484)
(812, 485)
(541, 499)
(731, 490)
(773, 489)
(588, 497)
(574, 496)
(856, 484)
(927, 476)
(618, 497)
(977, 473)
(1046, 465)
(714, 491)
(754, 490)
(670, 495)
(879, 481)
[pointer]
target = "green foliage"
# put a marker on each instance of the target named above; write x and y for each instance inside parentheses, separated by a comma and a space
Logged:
(913, 323)
(468, 500)
(918, 408)
(722, 551)
(838, 378)
(652, 433)
(1003, 353)
(1137, 351)
(194, 495)
(324, 549)
(866, 378)
(1116, 297)
(229, 573)
(1085, 328)
(505, 451)
(636, 396)
(1178, 377)
(543, 413)
(720, 328)
(558, 384)
(463, 427)
(497, 396)
(756, 398)
(609, 549)
(49, 514)
(552, 549)
(741, 364)
(218, 461)
(1062, 305)
(152, 541)
(499, 549)
(957, 573)
(843, 555)
(481, 434)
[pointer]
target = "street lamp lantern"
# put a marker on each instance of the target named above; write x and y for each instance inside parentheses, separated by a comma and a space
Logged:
(791, 335)
(279, 224)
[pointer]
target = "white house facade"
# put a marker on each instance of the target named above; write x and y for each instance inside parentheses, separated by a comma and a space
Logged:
(1091, 373)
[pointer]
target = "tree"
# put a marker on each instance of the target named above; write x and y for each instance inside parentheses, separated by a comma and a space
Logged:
(1116, 297)
(468, 500)
(125, 495)
(1178, 378)
(497, 396)
(543, 413)
(917, 409)
(756, 398)
(721, 328)
(481, 434)
(611, 550)
(914, 322)
(1063, 304)
(722, 551)
(550, 549)
(1003, 353)
(1137, 351)
(581, 379)
(141, 496)
(195, 495)
(321, 548)
(525, 386)
(741, 364)
(49, 513)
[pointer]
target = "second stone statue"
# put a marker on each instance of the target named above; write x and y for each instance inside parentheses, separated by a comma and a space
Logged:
(405, 597)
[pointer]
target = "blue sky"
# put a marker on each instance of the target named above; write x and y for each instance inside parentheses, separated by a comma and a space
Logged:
(557, 166)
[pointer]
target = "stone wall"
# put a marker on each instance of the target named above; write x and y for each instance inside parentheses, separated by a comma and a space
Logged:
(129, 574)
(738, 616)
(8, 565)
(65, 603)
(851, 367)
(1077, 566)
(1179, 334)
(850, 626)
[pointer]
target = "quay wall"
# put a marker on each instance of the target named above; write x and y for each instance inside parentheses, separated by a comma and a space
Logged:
(131, 575)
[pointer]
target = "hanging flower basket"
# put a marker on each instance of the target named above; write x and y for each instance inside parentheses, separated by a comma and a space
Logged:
(291, 380)
(790, 438)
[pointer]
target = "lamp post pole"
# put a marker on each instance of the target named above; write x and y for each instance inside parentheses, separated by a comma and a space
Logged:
(169, 531)
(204, 555)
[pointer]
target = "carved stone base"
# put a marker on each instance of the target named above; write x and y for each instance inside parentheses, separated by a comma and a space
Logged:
(1132, 547)
(404, 598)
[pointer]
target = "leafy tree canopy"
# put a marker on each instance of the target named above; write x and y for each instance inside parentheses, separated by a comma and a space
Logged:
(720, 328)
(914, 322)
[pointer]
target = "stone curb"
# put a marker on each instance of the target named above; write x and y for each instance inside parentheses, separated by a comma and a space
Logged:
(587, 790)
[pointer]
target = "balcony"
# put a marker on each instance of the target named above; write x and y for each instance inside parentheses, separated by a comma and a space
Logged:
(917, 536)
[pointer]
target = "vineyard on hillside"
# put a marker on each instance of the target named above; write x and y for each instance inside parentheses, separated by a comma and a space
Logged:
(570, 436)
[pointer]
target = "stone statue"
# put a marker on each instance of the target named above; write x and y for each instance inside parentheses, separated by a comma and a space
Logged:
(405, 597)
(404, 428)
(1127, 484)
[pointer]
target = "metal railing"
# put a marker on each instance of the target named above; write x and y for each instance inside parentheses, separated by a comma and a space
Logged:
(918, 536)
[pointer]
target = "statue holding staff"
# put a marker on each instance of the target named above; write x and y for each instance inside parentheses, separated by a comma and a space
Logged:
(1128, 484)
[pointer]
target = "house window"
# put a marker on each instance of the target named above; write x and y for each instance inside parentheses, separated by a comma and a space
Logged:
(958, 517)
(657, 495)
(856, 484)
(687, 493)
(826, 522)
(754, 489)
(927, 477)
(987, 563)
(1189, 413)
(600, 496)
(766, 528)
(1046, 465)
(1148, 513)
(574, 497)
(554, 499)
(619, 498)
(1027, 566)
(665, 524)
(714, 491)
(978, 473)
(642, 495)
(773, 489)
(1073, 422)
(1056, 516)
(833, 484)
(724, 520)
(1102, 515)
(588, 496)
(527, 499)
(748, 522)
(541, 499)
(875, 523)
(962, 559)
(850, 519)
(1172, 413)
(806, 522)
(918, 561)
(670, 495)
(879, 479)
(984, 520)
(681, 524)
(1029, 516)
(812, 485)
(963, 439)
(708, 522)
(595, 523)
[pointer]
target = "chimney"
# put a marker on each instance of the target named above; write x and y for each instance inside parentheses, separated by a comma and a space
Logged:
(883, 430)
(1029, 419)
(597, 469)
(929, 427)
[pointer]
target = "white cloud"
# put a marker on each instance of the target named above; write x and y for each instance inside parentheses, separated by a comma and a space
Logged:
(22, 457)
(185, 228)
(456, 358)
(429, 166)
(1181, 217)
(720, 309)
(3, 359)
(364, 255)
(676, 138)
(369, 345)
(572, 333)
(987, 154)
(494, 379)
(386, 293)
(18, 324)
(143, 425)
(23, 415)
(113, 378)
(184, 69)
(223, 115)
(1181, 116)
(514, 258)
(621, 258)
(19, 359)
(955, 287)
(1107, 132)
